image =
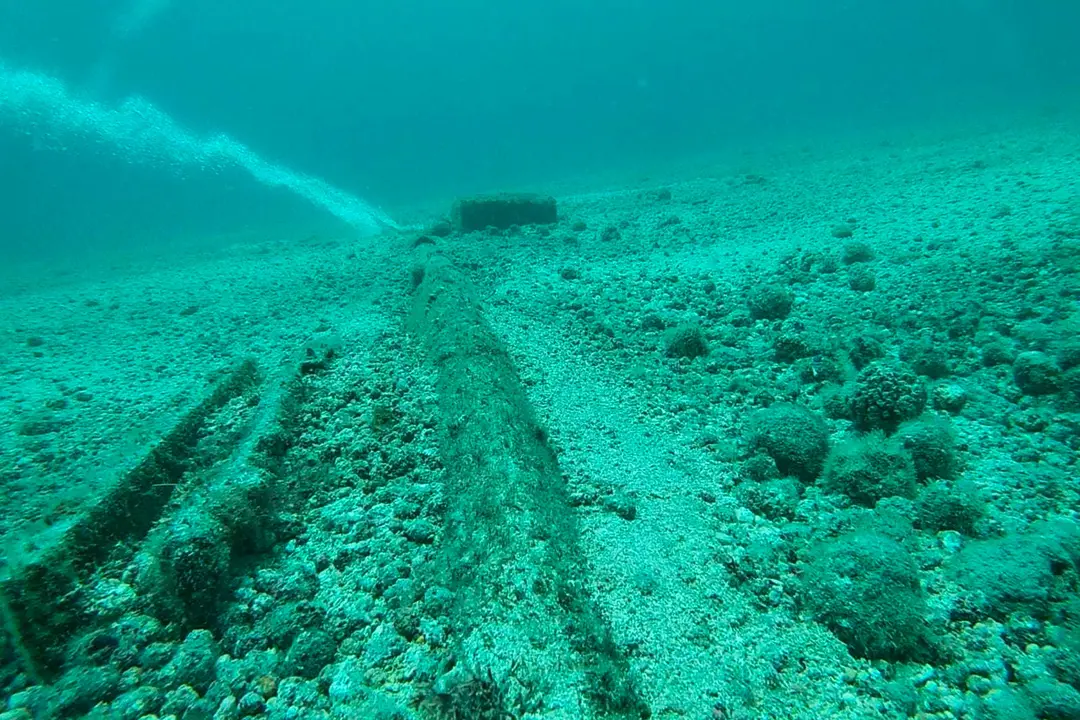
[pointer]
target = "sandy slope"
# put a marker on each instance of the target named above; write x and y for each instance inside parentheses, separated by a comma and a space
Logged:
(700, 593)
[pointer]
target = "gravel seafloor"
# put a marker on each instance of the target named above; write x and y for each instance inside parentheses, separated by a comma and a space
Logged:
(817, 421)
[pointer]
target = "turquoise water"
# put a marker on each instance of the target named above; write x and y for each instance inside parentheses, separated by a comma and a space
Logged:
(411, 104)
(554, 361)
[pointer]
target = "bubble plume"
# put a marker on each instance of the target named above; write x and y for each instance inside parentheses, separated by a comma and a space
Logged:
(43, 108)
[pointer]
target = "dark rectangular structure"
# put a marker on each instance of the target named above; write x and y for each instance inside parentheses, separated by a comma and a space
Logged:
(502, 211)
